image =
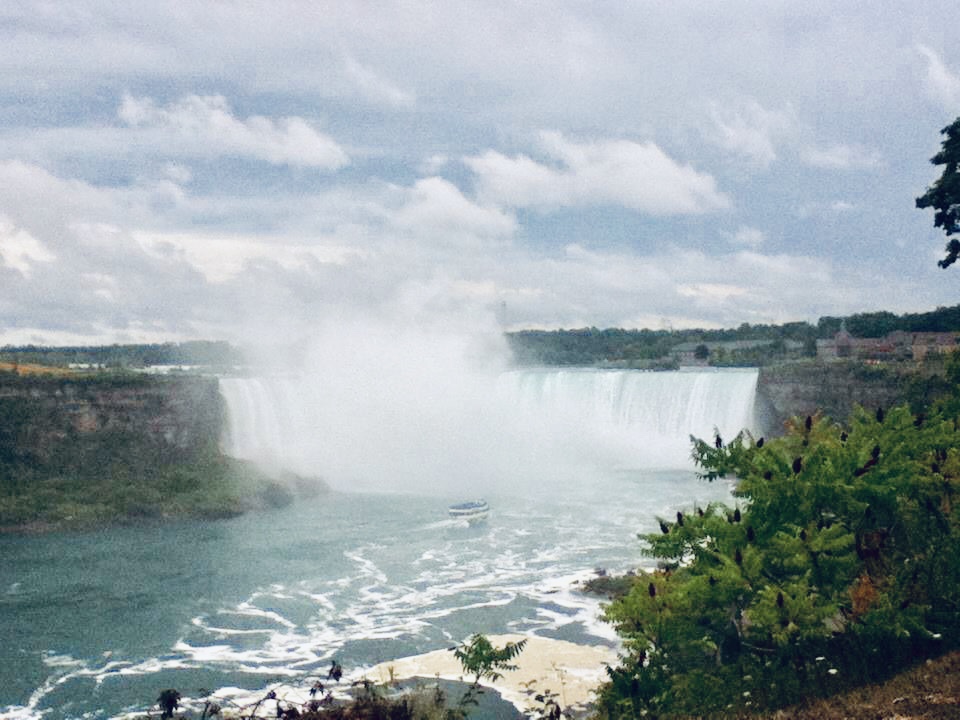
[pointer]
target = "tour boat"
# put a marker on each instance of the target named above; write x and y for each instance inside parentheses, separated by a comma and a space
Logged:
(473, 511)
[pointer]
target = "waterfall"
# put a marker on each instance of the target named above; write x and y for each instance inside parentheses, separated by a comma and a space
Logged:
(644, 419)
(260, 422)
(521, 423)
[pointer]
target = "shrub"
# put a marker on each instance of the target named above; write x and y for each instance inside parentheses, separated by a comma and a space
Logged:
(841, 560)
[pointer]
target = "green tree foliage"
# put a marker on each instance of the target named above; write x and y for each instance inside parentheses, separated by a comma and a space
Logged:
(873, 324)
(193, 352)
(480, 658)
(841, 559)
(169, 701)
(944, 195)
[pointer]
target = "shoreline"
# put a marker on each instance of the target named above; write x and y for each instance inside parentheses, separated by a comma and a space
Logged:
(570, 670)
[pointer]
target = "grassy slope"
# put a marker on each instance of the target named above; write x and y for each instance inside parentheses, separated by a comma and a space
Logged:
(213, 487)
(930, 691)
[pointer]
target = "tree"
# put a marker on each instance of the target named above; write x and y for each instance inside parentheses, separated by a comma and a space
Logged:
(168, 701)
(701, 352)
(873, 324)
(944, 195)
(481, 659)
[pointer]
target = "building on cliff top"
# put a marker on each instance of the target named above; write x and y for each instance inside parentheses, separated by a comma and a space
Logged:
(897, 345)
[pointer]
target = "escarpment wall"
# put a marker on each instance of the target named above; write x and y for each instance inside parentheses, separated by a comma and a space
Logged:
(57, 421)
(832, 388)
(87, 419)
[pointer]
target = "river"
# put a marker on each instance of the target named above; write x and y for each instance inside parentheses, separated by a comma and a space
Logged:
(95, 625)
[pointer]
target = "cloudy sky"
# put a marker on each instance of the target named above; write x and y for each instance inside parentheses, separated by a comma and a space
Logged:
(233, 169)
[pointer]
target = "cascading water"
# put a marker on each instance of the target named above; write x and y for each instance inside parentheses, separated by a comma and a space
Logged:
(264, 419)
(638, 419)
(504, 426)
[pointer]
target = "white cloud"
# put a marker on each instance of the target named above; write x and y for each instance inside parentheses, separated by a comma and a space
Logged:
(422, 250)
(153, 228)
(749, 130)
(31, 196)
(206, 125)
(435, 207)
(433, 164)
(221, 258)
(711, 291)
(675, 287)
(824, 209)
(841, 157)
(639, 176)
(19, 250)
(940, 83)
(376, 88)
(748, 236)
(177, 173)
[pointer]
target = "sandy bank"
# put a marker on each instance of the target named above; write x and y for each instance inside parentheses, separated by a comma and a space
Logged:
(570, 670)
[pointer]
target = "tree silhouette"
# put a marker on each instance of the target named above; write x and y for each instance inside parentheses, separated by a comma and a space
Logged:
(944, 194)
(168, 701)
(481, 659)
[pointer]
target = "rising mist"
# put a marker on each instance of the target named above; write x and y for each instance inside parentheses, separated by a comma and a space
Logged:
(386, 406)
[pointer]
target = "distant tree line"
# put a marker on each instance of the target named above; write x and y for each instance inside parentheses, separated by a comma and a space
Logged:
(589, 346)
(652, 348)
(194, 352)
(577, 347)
(879, 324)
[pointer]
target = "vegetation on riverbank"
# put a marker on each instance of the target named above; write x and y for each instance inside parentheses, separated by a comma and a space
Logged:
(931, 691)
(88, 450)
(363, 699)
(116, 492)
(839, 566)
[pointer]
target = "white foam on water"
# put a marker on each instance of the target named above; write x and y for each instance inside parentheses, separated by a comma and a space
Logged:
(384, 610)
(282, 655)
(147, 667)
(250, 610)
(60, 661)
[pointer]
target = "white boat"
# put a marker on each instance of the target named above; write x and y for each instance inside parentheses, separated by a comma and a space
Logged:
(473, 511)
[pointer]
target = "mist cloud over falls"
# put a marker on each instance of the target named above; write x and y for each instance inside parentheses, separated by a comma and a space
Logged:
(379, 405)
(418, 410)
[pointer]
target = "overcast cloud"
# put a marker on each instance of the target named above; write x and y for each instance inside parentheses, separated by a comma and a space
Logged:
(251, 170)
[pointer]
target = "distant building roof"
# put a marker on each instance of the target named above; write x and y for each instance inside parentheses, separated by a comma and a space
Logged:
(736, 344)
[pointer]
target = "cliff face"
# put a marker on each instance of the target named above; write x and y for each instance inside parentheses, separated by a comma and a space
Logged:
(73, 421)
(91, 451)
(832, 388)
(46, 420)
